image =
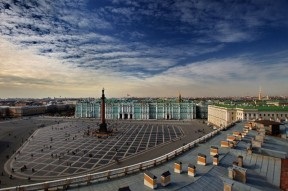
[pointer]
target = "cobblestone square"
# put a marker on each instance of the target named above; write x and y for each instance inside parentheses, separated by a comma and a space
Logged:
(65, 149)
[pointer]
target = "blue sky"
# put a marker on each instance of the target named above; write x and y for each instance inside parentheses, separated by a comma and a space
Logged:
(144, 48)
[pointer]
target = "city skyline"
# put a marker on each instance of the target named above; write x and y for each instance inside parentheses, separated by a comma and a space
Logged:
(143, 48)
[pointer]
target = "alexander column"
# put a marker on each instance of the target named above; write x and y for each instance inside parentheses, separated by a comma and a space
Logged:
(103, 125)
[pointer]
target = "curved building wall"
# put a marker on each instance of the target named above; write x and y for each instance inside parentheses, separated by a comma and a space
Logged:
(137, 110)
(222, 116)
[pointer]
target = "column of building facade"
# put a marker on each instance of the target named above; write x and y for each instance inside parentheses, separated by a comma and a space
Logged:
(108, 110)
(143, 110)
(81, 110)
(89, 110)
(169, 111)
(179, 111)
(133, 111)
(129, 110)
(99, 111)
(96, 106)
(121, 110)
(172, 111)
(191, 111)
(118, 110)
(114, 116)
(156, 110)
(92, 110)
(188, 110)
(78, 109)
(148, 111)
(164, 111)
(86, 109)
(194, 111)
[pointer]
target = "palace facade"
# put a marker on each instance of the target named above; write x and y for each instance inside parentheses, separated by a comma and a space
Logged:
(137, 109)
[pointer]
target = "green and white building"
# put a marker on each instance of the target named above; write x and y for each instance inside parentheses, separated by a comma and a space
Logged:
(137, 109)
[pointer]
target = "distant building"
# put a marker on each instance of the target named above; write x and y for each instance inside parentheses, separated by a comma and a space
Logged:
(222, 115)
(4, 111)
(138, 109)
(278, 103)
(19, 111)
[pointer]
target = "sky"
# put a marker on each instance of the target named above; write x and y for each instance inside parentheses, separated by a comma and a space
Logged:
(144, 48)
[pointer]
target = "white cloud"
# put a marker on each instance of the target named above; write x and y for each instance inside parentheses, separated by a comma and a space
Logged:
(66, 43)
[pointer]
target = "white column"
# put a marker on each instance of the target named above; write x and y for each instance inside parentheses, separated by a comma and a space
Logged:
(92, 110)
(86, 109)
(156, 110)
(133, 114)
(99, 111)
(81, 110)
(141, 111)
(147, 114)
(169, 111)
(129, 110)
(118, 110)
(164, 110)
(172, 113)
(179, 117)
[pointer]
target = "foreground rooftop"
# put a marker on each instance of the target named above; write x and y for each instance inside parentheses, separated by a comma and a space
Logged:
(263, 172)
(262, 168)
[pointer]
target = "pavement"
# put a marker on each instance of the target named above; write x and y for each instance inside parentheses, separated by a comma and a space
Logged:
(15, 132)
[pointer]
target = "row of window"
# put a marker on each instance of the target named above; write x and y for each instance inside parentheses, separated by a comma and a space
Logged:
(264, 115)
